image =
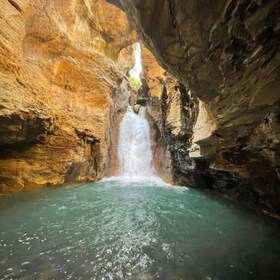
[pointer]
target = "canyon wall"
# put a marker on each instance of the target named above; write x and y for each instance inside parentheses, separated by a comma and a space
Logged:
(213, 102)
(225, 54)
(59, 81)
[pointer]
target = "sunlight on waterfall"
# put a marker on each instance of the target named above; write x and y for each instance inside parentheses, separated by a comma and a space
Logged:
(137, 68)
(135, 72)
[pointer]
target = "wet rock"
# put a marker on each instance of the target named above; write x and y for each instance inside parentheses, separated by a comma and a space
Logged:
(143, 93)
(136, 108)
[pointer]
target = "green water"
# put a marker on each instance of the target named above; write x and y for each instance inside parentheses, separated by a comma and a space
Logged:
(133, 230)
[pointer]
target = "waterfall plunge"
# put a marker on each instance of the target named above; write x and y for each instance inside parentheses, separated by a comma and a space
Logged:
(134, 150)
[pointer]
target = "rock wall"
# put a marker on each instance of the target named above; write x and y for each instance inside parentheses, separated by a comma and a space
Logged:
(226, 55)
(169, 105)
(59, 84)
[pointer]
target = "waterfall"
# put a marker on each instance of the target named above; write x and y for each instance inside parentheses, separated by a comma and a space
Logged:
(134, 150)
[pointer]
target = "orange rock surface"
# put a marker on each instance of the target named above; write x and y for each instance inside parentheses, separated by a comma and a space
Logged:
(59, 90)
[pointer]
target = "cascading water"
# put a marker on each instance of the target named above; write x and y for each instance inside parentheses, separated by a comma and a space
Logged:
(134, 150)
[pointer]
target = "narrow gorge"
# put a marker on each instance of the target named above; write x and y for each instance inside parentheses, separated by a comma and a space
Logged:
(140, 139)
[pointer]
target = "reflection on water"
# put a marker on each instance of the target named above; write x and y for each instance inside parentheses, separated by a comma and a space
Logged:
(117, 229)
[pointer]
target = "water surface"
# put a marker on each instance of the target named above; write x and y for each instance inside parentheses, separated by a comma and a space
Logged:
(119, 229)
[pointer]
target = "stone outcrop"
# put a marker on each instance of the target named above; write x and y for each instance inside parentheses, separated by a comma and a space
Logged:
(226, 55)
(155, 83)
(59, 83)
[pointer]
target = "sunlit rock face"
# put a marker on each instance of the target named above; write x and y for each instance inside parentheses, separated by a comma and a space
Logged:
(227, 55)
(59, 81)
(156, 79)
(169, 106)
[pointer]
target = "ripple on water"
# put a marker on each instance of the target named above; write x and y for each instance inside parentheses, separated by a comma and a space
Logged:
(128, 229)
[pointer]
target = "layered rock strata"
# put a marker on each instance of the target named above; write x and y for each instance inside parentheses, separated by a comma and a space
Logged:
(59, 81)
(225, 54)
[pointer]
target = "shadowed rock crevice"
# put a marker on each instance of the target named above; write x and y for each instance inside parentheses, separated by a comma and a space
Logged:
(15, 5)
